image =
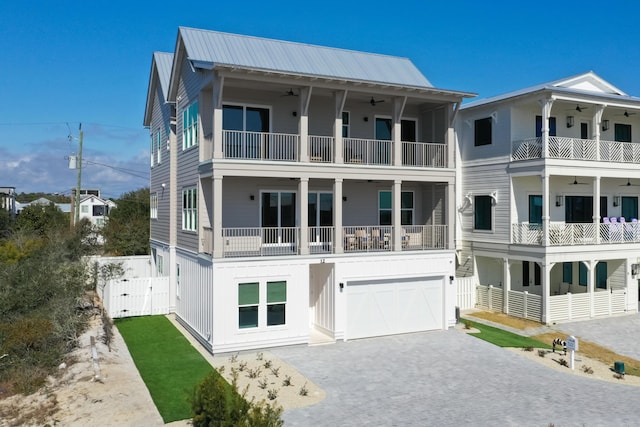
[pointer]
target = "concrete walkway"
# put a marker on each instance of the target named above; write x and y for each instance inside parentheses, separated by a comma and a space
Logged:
(448, 378)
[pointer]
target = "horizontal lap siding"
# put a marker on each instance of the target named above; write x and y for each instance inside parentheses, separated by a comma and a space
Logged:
(159, 228)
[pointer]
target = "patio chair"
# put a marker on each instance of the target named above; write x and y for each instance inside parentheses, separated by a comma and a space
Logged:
(605, 220)
(376, 239)
(362, 240)
(616, 229)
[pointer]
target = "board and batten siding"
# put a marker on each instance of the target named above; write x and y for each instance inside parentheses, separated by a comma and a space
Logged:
(189, 89)
(159, 227)
(483, 180)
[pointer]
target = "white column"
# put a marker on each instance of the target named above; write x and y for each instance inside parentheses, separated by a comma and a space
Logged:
(303, 208)
(337, 216)
(596, 206)
(338, 99)
(451, 216)
(597, 127)
(218, 85)
(396, 192)
(303, 123)
(546, 201)
(218, 242)
(396, 132)
(546, 290)
(506, 284)
(546, 113)
(591, 280)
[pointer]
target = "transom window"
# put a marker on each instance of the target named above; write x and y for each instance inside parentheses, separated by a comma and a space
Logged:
(482, 132)
(190, 126)
(482, 213)
(385, 208)
(189, 209)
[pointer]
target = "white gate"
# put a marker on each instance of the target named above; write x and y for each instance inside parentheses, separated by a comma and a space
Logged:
(137, 296)
(466, 297)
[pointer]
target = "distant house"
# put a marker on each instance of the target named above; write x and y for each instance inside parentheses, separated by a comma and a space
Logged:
(95, 209)
(8, 199)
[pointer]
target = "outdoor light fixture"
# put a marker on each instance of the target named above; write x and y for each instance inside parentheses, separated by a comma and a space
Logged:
(559, 199)
(605, 125)
(616, 200)
(365, 118)
(344, 198)
(569, 121)
(634, 269)
(252, 197)
(494, 197)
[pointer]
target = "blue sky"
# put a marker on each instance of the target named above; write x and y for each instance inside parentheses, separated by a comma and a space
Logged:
(67, 62)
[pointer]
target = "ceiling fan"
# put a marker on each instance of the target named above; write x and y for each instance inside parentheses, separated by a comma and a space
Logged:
(629, 184)
(626, 113)
(374, 101)
(579, 108)
(290, 92)
(575, 182)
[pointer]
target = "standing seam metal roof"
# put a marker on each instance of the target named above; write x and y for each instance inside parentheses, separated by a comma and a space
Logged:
(164, 61)
(297, 58)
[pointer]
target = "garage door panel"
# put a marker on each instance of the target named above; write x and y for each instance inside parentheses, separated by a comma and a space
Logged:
(383, 308)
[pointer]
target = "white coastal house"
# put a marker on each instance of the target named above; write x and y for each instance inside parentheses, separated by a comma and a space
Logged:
(547, 208)
(300, 192)
(95, 209)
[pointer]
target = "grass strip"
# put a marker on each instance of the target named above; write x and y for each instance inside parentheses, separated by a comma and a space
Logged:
(169, 365)
(503, 338)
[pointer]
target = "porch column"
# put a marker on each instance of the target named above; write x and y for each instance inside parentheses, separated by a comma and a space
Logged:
(303, 208)
(450, 136)
(546, 291)
(396, 192)
(546, 197)
(337, 216)
(591, 280)
(450, 204)
(218, 242)
(596, 206)
(597, 127)
(218, 85)
(546, 113)
(396, 133)
(506, 285)
(338, 101)
(303, 123)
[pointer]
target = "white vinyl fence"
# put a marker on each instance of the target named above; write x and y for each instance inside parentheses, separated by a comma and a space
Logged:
(137, 296)
(466, 297)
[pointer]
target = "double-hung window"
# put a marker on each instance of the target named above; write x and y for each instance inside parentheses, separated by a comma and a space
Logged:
(276, 303)
(158, 150)
(190, 126)
(385, 208)
(262, 304)
(154, 205)
(248, 304)
(482, 213)
(189, 209)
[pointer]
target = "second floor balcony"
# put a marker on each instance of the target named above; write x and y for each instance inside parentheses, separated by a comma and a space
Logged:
(577, 149)
(570, 234)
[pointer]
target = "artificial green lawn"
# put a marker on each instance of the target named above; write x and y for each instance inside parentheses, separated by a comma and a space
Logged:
(503, 338)
(169, 365)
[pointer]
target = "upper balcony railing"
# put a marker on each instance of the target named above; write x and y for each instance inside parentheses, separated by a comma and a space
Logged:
(577, 149)
(572, 234)
(268, 146)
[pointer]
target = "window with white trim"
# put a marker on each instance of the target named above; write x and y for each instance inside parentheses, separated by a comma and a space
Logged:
(276, 303)
(482, 213)
(385, 206)
(158, 149)
(262, 304)
(189, 209)
(154, 205)
(151, 149)
(190, 126)
(248, 304)
(345, 124)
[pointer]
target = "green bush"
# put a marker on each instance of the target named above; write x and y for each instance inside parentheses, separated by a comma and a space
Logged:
(214, 403)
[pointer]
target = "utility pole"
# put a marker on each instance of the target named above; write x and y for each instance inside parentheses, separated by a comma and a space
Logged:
(79, 167)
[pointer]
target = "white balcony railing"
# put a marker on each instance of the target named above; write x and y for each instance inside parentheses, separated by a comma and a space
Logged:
(321, 148)
(577, 149)
(321, 239)
(424, 154)
(367, 238)
(260, 241)
(563, 234)
(260, 145)
(367, 151)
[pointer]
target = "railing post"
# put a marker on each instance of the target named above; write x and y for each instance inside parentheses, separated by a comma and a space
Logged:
(337, 216)
(490, 295)
(570, 305)
(525, 303)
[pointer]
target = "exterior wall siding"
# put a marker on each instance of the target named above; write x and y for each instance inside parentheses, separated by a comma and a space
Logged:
(161, 115)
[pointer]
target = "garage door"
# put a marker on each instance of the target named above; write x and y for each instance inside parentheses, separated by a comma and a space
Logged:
(377, 308)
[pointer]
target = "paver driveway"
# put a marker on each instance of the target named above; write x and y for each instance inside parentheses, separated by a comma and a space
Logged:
(448, 378)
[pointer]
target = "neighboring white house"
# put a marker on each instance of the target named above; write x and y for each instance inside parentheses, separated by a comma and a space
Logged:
(8, 200)
(300, 192)
(96, 209)
(548, 174)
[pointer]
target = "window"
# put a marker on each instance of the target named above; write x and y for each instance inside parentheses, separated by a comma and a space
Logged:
(345, 124)
(158, 150)
(578, 209)
(248, 301)
(178, 280)
(525, 273)
(537, 274)
(320, 209)
(482, 213)
(248, 123)
(278, 211)
(552, 126)
(622, 132)
(601, 275)
(582, 274)
(160, 265)
(84, 209)
(189, 209)
(629, 207)
(154, 205)
(535, 209)
(385, 208)
(567, 272)
(584, 130)
(100, 222)
(190, 126)
(482, 132)
(100, 210)
(276, 303)
(151, 149)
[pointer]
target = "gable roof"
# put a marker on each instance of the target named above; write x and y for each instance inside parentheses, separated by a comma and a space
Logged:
(585, 84)
(161, 63)
(209, 49)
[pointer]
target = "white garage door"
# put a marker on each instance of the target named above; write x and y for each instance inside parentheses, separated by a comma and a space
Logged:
(377, 308)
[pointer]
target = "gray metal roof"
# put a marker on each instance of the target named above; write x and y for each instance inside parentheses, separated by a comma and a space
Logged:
(298, 58)
(164, 61)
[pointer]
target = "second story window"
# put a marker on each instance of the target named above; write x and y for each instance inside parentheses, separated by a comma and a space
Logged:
(385, 208)
(154, 206)
(482, 214)
(190, 126)
(622, 132)
(345, 124)
(158, 150)
(482, 132)
(552, 126)
(189, 209)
